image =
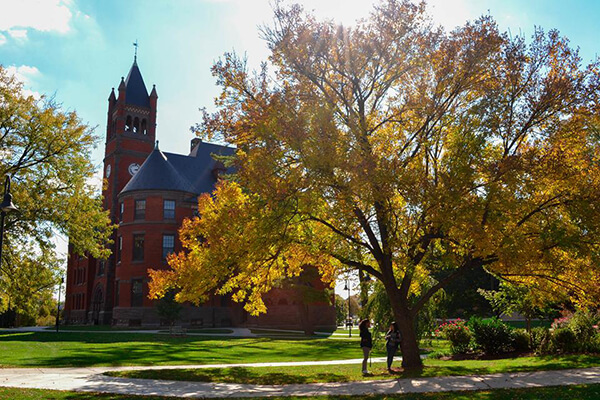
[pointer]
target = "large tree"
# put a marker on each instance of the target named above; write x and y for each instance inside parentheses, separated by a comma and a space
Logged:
(403, 151)
(46, 152)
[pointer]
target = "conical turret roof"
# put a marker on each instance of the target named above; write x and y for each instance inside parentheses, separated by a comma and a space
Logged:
(136, 93)
(193, 173)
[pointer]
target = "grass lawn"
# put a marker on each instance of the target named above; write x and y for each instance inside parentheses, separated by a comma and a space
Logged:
(97, 328)
(580, 392)
(205, 330)
(51, 349)
(351, 372)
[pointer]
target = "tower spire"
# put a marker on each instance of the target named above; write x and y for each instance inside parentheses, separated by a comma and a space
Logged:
(135, 44)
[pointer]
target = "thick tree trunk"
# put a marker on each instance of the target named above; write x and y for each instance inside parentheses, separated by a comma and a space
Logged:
(411, 357)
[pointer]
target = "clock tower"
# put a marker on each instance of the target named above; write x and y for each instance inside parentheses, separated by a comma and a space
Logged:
(130, 138)
(130, 135)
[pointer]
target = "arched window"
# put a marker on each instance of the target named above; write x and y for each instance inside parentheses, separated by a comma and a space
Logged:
(128, 124)
(136, 125)
(144, 128)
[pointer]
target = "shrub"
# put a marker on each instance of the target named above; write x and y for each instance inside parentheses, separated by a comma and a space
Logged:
(540, 340)
(520, 340)
(458, 334)
(563, 341)
(491, 336)
(582, 325)
(595, 344)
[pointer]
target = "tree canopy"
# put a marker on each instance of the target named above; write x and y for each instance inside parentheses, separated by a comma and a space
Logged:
(406, 152)
(46, 152)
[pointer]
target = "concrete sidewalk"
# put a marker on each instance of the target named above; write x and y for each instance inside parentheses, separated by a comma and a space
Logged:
(92, 380)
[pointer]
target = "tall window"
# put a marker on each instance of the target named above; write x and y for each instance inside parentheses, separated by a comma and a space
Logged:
(119, 248)
(169, 209)
(168, 245)
(138, 247)
(140, 209)
(101, 265)
(136, 293)
(121, 210)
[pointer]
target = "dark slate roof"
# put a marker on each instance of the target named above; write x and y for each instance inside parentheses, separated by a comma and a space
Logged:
(136, 93)
(176, 172)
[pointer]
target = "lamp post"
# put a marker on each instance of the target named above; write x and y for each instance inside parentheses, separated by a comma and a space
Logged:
(62, 280)
(348, 322)
(6, 207)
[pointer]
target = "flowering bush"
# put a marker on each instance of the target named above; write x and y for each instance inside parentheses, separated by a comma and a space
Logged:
(583, 334)
(561, 322)
(457, 333)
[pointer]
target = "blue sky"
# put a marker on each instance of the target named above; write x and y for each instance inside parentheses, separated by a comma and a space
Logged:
(77, 50)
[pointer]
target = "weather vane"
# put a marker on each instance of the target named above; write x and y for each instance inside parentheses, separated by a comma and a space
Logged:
(135, 44)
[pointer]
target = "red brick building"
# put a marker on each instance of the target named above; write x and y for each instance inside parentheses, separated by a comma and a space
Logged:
(149, 193)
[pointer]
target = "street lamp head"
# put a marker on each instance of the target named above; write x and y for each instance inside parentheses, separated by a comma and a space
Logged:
(7, 204)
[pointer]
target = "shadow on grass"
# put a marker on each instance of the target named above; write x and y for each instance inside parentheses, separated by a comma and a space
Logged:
(231, 375)
(113, 349)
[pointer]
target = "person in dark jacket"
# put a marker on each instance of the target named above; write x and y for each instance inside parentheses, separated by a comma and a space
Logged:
(366, 343)
(392, 340)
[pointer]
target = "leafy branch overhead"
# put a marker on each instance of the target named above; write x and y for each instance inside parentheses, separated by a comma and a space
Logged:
(404, 151)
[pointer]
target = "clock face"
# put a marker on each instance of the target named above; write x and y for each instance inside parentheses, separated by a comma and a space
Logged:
(133, 168)
(108, 171)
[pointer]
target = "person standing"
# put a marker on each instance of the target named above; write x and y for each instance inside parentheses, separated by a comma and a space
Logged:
(366, 343)
(392, 340)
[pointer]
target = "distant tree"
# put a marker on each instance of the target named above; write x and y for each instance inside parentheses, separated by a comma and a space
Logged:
(511, 298)
(168, 309)
(46, 152)
(341, 310)
(381, 146)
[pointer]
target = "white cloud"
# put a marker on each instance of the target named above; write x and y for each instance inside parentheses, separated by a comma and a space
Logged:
(2, 39)
(18, 33)
(27, 75)
(41, 15)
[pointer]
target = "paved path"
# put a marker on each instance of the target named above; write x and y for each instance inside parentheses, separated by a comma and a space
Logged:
(93, 380)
